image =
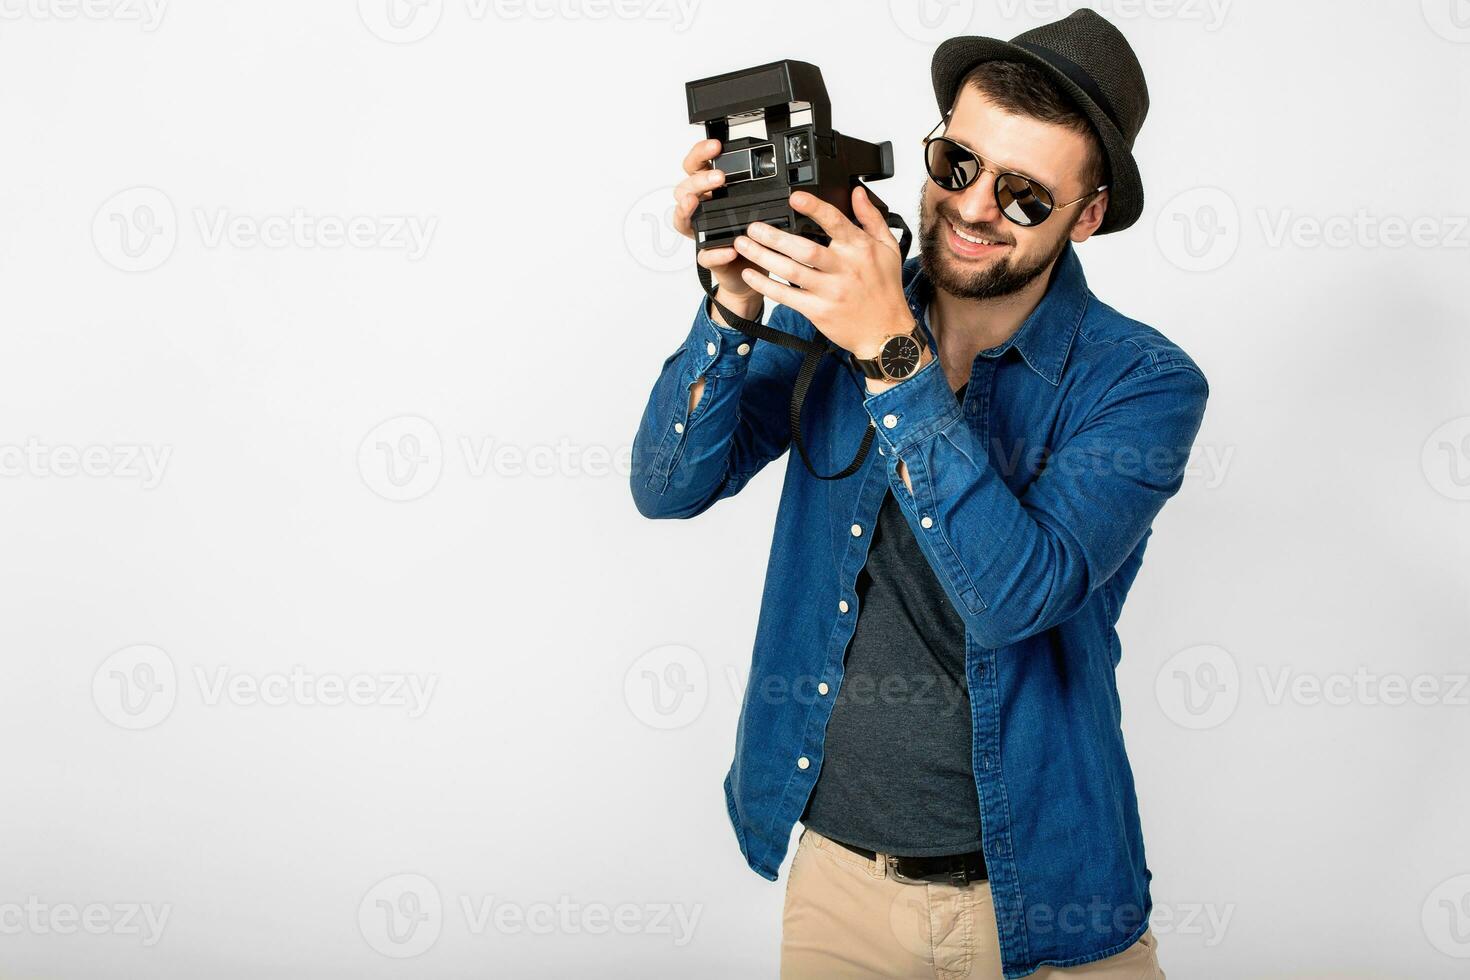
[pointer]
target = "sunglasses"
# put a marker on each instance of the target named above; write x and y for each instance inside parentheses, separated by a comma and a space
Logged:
(1024, 201)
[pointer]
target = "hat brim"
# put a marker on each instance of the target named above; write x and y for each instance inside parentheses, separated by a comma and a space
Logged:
(955, 57)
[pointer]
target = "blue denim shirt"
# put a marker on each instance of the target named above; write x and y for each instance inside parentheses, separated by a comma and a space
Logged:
(1032, 500)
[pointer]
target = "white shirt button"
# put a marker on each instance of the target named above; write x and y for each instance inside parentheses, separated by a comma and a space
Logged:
(882, 451)
(926, 521)
(678, 426)
(803, 762)
(843, 606)
(822, 689)
(857, 530)
(710, 348)
(743, 349)
(889, 421)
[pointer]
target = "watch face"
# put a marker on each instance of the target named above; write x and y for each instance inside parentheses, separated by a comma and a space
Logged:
(899, 357)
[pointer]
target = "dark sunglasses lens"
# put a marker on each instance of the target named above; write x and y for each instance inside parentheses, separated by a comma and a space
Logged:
(1022, 201)
(951, 166)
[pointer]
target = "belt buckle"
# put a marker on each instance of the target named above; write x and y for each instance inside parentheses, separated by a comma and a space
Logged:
(956, 876)
(899, 876)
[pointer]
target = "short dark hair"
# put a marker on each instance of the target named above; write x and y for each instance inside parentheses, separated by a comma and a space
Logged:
(1027, 91)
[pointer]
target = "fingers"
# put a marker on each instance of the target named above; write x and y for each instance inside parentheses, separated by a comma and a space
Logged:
(689, 192)
(803, 250)
(868, 214)
(790, 296)
(701, 154)
(833, 221)
(716, 258)
(772, 261)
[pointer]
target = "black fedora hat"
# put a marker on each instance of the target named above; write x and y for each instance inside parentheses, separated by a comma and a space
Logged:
(1089, 60)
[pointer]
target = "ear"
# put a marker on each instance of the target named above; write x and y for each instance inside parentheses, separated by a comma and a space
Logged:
(1091, 218)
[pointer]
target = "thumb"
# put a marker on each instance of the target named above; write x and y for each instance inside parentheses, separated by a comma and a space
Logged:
(869, 216)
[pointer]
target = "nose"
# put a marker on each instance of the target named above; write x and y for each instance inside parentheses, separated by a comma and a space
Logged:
(976, 204)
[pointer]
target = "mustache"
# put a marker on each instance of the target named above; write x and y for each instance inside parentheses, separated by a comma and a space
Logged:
(992, 234)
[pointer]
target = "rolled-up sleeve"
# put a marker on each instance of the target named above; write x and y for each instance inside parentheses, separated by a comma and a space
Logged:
(1018, 565)
(683, 461)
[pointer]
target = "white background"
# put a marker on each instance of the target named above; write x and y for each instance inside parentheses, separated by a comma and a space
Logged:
(378, 459)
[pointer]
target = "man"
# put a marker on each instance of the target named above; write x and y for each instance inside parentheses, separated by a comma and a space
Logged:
(932, 689)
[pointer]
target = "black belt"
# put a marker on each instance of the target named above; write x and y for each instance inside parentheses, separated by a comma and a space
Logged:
(957, 869)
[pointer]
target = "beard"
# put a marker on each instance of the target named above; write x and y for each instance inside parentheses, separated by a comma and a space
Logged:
(1000, 278)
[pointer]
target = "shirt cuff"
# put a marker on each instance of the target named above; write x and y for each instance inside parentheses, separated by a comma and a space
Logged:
(915, 409)
(715, 350)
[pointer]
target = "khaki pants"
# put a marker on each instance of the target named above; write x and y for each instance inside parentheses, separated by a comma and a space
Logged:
(845, 917)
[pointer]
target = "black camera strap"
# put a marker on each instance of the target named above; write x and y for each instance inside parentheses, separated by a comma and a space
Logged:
(813, 351)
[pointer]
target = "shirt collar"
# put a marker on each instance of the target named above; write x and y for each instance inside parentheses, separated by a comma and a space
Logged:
(1045, 337)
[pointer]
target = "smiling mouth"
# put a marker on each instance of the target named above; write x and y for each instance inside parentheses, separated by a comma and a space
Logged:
(972, 239)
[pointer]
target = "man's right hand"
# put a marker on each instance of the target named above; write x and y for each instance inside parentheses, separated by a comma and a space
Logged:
(725, 263)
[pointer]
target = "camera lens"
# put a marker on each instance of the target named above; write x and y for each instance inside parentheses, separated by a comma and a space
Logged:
(763, 161)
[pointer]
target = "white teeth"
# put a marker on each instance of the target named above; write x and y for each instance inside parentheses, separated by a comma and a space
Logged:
(971, 238)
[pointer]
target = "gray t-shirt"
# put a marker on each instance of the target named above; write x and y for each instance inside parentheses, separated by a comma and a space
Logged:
(897, 771)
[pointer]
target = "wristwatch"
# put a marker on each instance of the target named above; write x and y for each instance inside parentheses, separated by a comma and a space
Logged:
(897, 359)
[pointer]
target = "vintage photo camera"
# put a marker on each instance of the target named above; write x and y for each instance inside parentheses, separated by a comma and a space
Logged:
(794, 148)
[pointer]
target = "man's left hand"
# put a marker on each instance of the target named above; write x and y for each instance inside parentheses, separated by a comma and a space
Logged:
(851, 290)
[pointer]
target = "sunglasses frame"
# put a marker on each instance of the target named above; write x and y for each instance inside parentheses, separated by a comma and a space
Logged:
(999, 175)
